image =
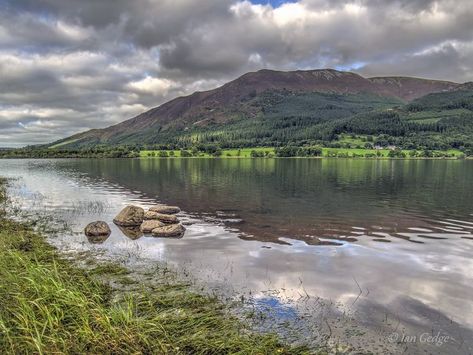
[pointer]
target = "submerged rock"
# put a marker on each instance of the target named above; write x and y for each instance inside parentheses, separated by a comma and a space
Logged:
(165, 209)
(97, 229)
(172, 230)
(148, 225)
(130, 216)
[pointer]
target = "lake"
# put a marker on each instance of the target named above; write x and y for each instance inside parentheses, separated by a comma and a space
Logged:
(377, 254)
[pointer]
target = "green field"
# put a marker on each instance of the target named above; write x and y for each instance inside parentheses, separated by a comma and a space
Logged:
(326, 152)
(233, 153)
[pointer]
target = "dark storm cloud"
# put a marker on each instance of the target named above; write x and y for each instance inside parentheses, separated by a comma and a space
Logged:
(66, 66)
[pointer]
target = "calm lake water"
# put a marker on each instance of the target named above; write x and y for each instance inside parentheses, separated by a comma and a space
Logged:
(364, 251)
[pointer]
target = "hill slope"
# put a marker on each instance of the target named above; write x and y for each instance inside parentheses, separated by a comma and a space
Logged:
(265, 98)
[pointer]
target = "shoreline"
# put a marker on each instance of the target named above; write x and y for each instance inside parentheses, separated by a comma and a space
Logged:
(92, 309)
(255, 158)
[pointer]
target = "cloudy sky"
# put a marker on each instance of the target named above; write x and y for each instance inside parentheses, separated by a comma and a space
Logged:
(67, 66)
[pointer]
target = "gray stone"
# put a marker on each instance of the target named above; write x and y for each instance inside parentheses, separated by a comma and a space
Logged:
(167, 218)
(148, 225)
(150, 215)
(97, 229)
(171, 230)
(165, 209)
(130, 216)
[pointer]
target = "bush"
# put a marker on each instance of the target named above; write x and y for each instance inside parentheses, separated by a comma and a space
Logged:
(257, 154)
(217, 153)
(287, 152)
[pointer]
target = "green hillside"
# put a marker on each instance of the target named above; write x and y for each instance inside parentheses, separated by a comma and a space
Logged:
(237, 115)
(438, 122)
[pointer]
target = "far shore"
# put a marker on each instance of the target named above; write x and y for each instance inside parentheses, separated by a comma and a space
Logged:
(313, 152)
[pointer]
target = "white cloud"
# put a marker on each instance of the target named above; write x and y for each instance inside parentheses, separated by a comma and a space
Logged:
(154, 86)
(99, 63)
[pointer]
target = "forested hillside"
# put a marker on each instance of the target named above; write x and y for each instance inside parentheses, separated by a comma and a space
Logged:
(437, 121)
(301, 108)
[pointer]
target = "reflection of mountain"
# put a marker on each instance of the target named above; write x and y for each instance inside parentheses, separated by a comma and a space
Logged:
(300, 198)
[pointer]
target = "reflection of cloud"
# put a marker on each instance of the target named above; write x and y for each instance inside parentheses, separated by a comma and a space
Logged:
(436, 275)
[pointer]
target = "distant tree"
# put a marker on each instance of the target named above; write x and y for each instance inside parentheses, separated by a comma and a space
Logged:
(427, 153)
(286, 151)
(257, 154)
(217, 153)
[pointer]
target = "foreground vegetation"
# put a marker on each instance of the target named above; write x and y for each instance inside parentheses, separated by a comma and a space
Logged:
(50, 306)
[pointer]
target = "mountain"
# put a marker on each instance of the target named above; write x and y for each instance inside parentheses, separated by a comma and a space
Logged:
(265, 98)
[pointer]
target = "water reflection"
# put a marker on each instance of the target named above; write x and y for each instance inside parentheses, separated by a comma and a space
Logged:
(308, 199)
(402, 229)
(131, 232)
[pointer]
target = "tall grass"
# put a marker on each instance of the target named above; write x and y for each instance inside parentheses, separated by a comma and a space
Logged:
(48, 305)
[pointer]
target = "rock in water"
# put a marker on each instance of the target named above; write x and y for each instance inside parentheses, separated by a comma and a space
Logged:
(148, 225)
(130, 216)
(164, 209)
(165, 218)
(97, 229)
(172, 230)
(150, 215)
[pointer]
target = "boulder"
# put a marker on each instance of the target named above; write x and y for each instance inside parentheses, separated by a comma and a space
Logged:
(165, 218)
(130, 216)
(165, 209)
(97, 229)
(171, 230)
(148, 225)
(150, 215)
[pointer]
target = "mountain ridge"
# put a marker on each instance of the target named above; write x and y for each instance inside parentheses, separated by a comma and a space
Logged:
(230, 101)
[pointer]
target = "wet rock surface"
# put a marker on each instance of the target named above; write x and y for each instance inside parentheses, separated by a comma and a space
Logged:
(130, 216)
(97, 229)
(148, 225)
(165, 218)
(168, 231)
(150, 215)
(165, 209)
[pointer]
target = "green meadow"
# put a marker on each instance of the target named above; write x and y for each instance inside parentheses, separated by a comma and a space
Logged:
(326, 152)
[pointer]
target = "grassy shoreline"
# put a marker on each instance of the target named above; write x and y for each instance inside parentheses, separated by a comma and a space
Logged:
(339, 153)
(49, 305)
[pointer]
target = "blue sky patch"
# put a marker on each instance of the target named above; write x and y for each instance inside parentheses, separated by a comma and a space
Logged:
(273, 3)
